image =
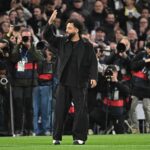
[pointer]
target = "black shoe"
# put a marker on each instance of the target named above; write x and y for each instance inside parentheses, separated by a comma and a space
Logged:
(78, 142)
(29, 133)
(56, 142)
(19, 133)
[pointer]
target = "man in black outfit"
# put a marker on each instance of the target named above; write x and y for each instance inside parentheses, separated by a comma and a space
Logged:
(77, 66)
(113, 105)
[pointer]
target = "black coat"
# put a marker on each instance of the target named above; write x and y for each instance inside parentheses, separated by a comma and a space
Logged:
(109, 93)
(29, 76)
(87, 63)
(141, 87)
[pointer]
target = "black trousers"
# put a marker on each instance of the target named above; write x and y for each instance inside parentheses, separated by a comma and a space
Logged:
(4, 112)
(105, 120)
(23, 110)
(64, 96)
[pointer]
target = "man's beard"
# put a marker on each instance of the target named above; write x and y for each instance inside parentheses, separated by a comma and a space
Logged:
(71, 35)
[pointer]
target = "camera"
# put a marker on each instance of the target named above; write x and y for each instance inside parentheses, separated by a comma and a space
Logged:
(121, 48)
(25, 39)
(17, 28)
(3, 81)
(108, 74)
(42, 46)
(103, 48)
(98, 49)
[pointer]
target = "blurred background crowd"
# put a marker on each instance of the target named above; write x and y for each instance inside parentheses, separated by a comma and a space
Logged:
(119, 31)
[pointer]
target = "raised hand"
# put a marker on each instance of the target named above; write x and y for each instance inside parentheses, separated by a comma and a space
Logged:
(52, 17)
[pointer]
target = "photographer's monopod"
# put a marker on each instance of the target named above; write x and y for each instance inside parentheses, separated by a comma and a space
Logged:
(11, 111)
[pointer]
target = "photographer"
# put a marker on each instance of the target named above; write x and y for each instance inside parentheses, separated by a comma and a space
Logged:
(5, 53)
(42, 94)
(24, 58)
(141, 87)
(113, 103)
(121, 59)
(4, 49)
(4, 100)
(37, 22)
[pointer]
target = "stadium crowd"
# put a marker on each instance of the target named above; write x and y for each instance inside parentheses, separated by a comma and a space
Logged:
(119, 31)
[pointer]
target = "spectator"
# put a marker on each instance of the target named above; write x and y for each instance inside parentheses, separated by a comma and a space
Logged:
(78, 7)
(132, 36)
(110, 25)
(37, 22)
(13, 17)
(112, 107)
(145, 13)
(121, 59)
(42, 94)
(119, 34)
(141, 91)
(143, 3)
(142, 32)
(49, 8)
(24, 58)
(128, 16)
(4, 17)
(5, 26)
(97, 16)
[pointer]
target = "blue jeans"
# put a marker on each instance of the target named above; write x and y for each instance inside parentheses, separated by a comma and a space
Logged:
(42, 99)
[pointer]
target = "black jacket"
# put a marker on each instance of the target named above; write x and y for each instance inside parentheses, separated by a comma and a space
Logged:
(45, 73)
(141, 87)
(87, 63)
(113, 94)
(122, 63)
(28, 77)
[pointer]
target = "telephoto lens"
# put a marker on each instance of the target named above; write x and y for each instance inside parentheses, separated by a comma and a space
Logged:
(108, 74)
(121, 47)
(25, 39)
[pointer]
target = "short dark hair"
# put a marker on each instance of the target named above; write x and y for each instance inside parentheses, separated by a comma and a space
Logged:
(102, 29)
(38, 7)
(77, 23)
(19, 8)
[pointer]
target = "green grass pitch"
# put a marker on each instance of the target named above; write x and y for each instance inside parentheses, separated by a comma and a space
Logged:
(94, 142)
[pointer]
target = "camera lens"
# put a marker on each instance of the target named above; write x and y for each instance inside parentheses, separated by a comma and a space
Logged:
(25, 39)
(108, 74)
(121, 47)
(16, 28)
(40, 45)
